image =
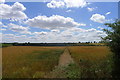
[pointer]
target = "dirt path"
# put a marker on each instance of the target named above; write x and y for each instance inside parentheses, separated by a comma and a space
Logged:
(64, 60)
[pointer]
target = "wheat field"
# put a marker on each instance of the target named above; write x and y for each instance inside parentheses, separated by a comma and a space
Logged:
(36, 62)
(29, 61)
(94, 61)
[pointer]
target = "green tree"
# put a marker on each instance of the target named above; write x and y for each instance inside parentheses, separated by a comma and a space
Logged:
(113, 41)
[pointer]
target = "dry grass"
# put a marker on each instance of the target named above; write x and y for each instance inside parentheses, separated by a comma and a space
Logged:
(94, 61)
(35, 62)
(91, 53)
(29, 61)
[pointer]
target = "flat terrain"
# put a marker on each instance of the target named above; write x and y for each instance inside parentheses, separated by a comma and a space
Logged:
(91, 53)
(60, 71)
(65, 59)
(94, 61)
(29, 61)
(56, 62)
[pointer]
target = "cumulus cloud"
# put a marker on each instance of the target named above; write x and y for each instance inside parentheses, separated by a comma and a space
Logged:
(14, 38)
(53, 22)
(98, 18)
(108, 13)
(40, 33)
(77, 34)
(67, 3)
(55, 4)
(2, 27)
(90, 9)
(55, 30)
(13, 12)
(20, 29)
(69, 35)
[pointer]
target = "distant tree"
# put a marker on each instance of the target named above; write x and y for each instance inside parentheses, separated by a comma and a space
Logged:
(101, 42)
(94, 42)
(113, 41)
(79, 42)
(86, 42)
(15, 43)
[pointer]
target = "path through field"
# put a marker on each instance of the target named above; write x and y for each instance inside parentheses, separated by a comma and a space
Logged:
(64, 60)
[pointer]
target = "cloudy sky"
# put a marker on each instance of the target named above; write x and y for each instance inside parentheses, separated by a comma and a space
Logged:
(55, 21)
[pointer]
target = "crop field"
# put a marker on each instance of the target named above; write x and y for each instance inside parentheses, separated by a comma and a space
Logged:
(91, 53)
(29, 61)
(94, 61)
(36, 62)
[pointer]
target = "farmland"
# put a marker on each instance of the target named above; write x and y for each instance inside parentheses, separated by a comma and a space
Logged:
(36, 62)
(94, 61)
(28, 61)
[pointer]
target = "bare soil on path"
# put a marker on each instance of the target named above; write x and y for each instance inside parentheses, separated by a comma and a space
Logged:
(65, 58)
(59, 71)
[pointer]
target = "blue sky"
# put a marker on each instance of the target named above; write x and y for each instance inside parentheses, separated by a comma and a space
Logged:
(59, 22)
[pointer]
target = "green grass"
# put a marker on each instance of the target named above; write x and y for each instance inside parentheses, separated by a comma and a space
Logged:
(5, 45)
(73, 71)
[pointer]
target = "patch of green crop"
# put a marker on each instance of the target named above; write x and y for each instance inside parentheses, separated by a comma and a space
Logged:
(73, 71)
(5, 45)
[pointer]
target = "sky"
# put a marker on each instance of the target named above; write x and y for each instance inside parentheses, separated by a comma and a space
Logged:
(55, 21)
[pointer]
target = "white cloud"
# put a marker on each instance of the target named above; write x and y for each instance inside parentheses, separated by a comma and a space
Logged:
(68, 35)
(53, 22)
(100, 28)
(108, 13)
(98, 18)
(90, 9)
(55, 31)
(20, 29)
(18, 7)
(79, 34)
(14, 38)
(2, 1)
(2, 29)
(69, 10)
(76, 35)
(67, 3)
(91, 30)
(40, 33)
(14, 12)
(55, 4)
(75, 3)
(2, 25)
